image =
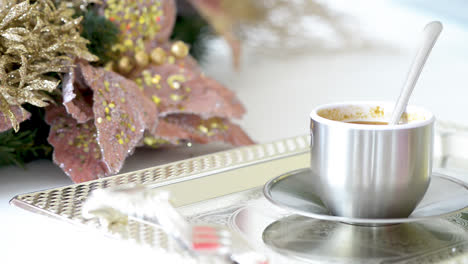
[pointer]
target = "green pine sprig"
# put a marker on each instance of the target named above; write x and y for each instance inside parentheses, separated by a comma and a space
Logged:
(101, 33)
(18, 148)
(193, 30)
(29, 143)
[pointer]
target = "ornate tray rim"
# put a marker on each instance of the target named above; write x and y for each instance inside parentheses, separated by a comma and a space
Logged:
(64, 203)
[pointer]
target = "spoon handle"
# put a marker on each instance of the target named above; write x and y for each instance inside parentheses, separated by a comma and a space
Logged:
(429, 37)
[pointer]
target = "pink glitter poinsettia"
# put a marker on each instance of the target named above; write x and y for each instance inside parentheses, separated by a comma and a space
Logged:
(120, 115)
(77, 97)
(76, 149)
(176, 88)
(153, 94)
(191, 127)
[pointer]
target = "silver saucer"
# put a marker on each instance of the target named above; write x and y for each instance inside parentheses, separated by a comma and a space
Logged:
(293, 191)
(318, 241)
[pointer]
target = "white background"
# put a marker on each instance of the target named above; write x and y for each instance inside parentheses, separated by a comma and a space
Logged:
(279, 92)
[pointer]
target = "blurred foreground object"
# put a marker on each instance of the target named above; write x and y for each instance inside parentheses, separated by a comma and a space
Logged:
(204, 243)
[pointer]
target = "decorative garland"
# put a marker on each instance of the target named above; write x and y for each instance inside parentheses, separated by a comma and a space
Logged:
(106, 78)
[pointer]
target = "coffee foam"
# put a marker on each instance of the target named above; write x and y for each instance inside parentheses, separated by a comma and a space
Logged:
(370, 112)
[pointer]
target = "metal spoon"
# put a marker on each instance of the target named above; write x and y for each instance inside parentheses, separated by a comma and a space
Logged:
(429, 37)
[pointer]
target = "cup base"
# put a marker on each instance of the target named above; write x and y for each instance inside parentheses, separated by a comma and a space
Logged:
(370, 224)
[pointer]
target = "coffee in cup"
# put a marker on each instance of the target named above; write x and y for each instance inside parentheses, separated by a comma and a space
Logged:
(364, 168)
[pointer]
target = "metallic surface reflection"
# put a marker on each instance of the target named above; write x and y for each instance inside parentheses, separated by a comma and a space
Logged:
(294, 191)
(311, 239)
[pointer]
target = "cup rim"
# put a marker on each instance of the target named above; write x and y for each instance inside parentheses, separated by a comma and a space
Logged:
(314, 116)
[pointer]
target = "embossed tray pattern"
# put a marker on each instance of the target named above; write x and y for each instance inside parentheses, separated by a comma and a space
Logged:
(65, 203)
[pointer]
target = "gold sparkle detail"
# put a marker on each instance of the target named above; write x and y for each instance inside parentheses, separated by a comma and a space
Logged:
(211, 126)
(141, 58)
(147, 78)
(154, 142)
(179, 49)
(174, 81)
(109, 66)
(125, 64)
(156, 79)
(203, 128)
(139, 82)
(156, 99)
(138, 22)
(158, 56)
(175, 97)
(171, 59)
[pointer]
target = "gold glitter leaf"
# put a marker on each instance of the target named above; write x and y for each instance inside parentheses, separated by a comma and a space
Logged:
(19, 113)
(16, 30)
(42, 84)
(36, 39)
(17, 48)
(71, 24)
(14, 34)
(33, 99)
(14, 12)
(8, 113)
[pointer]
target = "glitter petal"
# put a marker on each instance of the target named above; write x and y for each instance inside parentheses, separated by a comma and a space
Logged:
(188, 127)
(187, 90)
(122, 129)
(209, 98)
(75, 147)
(77, 97)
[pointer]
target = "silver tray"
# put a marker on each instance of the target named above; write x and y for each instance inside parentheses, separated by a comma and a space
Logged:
(219, 187)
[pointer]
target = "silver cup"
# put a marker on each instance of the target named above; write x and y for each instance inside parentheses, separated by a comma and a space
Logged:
(370, 171)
